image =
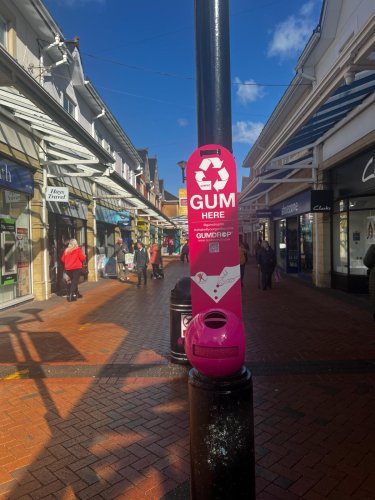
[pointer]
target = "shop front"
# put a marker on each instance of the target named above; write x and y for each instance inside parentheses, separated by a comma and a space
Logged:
(65, 221)
(143, 231)
(353, 221)
(171, 242)
(293, 223)
(124, 222)
(16, 189)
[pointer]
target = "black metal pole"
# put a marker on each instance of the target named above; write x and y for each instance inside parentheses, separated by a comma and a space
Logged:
(221, 437)
(220, 410)
(213, 78)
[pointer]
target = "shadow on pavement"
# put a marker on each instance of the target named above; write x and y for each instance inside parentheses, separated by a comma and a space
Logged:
(123, 436)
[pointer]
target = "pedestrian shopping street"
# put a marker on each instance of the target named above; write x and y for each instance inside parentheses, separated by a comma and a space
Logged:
(91, 407)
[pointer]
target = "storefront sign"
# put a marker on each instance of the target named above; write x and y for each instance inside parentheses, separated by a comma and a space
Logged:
(321, 200)
(12, 197)
(15, 177)
(182, 202)
(123, 219)
(213, 230)
(356, 176)
(109, 216)
(261, 214)
(57, 194)
(142, 225)
(299, 204)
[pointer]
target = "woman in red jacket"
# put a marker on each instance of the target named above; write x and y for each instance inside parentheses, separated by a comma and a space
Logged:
(73, 259)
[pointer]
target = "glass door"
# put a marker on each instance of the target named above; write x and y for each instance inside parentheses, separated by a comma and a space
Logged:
(292, 255)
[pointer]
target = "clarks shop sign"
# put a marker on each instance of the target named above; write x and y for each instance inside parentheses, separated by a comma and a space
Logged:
(356, 176)
(321, 200)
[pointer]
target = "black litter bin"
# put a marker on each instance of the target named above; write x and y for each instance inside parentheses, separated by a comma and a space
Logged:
(180, 316)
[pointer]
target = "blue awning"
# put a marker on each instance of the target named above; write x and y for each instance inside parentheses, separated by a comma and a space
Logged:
(344, 100)
(335, 108)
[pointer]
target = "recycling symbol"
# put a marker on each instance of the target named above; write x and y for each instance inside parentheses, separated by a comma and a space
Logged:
(222, 175)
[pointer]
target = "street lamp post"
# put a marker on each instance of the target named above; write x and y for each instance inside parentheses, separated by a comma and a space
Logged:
(182, 164)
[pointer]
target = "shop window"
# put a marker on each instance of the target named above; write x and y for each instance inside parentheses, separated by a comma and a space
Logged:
(361, 232)
(281, 243)
(340, 242)
(353, 233)
(3, 32)
(292, 244)
(15, 258)
(306, 242)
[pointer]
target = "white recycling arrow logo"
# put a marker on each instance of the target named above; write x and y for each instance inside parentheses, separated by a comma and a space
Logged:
(220, 182)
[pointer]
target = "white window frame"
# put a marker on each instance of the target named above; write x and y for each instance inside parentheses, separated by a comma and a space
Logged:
(71, 106)
(3, 32)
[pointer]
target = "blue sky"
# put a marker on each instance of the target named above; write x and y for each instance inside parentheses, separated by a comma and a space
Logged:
(140, 56)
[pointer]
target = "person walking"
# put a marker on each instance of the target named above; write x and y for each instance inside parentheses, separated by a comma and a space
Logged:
(155, 260)
(141, 260)
(122, 268)
(369, 261)
(267, 263)
(243, 260)
(73, 259)
(185, 252)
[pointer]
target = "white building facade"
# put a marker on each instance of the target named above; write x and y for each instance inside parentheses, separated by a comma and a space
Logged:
(312, 184)
(67, 168)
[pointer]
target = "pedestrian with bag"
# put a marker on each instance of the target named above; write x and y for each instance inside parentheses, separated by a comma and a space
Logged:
(73, 259)
(369, 261)
(185, 252)
(243, 260)
(155, 261)
(141, 261)
(266, 262)
(122, 269)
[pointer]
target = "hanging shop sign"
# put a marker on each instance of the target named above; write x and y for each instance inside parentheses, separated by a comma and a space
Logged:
(142, 225)
(213, 230)
(299, 204)
(182, 202)
(57, 194)
(356, 176)
(123, 219)
(263, 214)
(321, 200)
(15, 177)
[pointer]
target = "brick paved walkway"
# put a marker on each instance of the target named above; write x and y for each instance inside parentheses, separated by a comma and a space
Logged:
(90, 407)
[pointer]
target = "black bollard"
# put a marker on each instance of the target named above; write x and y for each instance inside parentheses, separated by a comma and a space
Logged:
(179, 316)
(221, 437)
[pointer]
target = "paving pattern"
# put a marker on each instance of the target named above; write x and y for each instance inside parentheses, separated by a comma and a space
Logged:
(90, 406)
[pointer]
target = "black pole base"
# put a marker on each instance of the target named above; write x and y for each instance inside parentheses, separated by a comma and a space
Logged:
(178, 358)
(221, 437)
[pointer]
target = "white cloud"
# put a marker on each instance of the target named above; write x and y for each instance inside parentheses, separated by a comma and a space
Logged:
(291, 35)
(247, 132)
(248, 91)
(182, 122)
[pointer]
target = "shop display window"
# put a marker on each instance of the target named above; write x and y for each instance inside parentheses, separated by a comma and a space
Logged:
(15, 246)
(281, 243)
(353, 233)
(340, 242)
(306, 242)
(361, 232)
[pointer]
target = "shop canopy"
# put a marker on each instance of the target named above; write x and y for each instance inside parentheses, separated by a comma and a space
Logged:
(64, 141)
(298, 151)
